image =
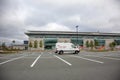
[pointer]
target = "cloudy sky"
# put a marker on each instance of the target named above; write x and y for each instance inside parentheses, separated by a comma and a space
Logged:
(18, 16)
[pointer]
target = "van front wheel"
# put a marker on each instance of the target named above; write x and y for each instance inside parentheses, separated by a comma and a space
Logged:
(61, 52)
(76, 52)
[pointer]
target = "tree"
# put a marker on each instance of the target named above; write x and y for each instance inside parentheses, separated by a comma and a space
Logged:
(96, 43)
(112, 45)
(4, 46)
(13, 41)
(30, 44)
(91, 44)
(87, 44)
(40, 44)
(35, 44)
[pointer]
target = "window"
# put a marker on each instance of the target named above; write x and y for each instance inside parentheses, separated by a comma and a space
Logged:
(100, 42)
(117, 41)
(74, 41)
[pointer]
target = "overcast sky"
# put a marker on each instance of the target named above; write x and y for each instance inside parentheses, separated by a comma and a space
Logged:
(18, 16)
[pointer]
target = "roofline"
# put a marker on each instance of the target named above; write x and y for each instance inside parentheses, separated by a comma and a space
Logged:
(71, 32)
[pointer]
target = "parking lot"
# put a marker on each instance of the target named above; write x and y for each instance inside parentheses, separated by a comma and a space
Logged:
(51, 66)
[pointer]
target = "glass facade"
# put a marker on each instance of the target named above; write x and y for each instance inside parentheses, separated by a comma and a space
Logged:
(49, 43)
(75, 41)
(100, 42)
(117, 42)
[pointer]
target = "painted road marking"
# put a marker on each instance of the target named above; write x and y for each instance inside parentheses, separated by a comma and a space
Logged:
(63, 60)
(89, 59)
(35, 60)
(103, 57)
(11, 60)
(10, 56)
(111, 58)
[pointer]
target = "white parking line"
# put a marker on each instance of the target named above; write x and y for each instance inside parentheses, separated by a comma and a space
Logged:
(9, 56)
(103, 57)
(11, 60)
(89, 59)
(63, 60)
(35, 61)
(111, 58)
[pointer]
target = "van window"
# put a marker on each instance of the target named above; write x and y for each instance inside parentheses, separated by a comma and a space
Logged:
(73, 46)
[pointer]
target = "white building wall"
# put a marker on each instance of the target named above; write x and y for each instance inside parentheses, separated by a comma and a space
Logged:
(107, 42)
(38, 43)
(64, 40)
(19, 47)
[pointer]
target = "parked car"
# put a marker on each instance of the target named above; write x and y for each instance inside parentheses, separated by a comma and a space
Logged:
(66, 48)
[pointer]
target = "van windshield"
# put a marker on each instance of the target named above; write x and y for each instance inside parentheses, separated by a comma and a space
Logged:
(73, 46)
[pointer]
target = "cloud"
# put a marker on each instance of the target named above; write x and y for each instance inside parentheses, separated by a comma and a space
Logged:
(18, 16)
(50, 27)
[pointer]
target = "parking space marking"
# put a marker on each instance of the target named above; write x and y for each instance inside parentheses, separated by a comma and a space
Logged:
(63, 60)
(103, 57)
(10, 56)
(88, 59)
(11, 60)
(111, 58)
(35, 60)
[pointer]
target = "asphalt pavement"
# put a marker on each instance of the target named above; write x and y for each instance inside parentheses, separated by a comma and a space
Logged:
(51, 66)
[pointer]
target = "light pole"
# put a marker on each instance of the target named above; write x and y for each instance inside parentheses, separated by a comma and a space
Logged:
(77, 33)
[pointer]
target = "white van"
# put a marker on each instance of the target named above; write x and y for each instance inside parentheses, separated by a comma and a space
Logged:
(66, 48)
